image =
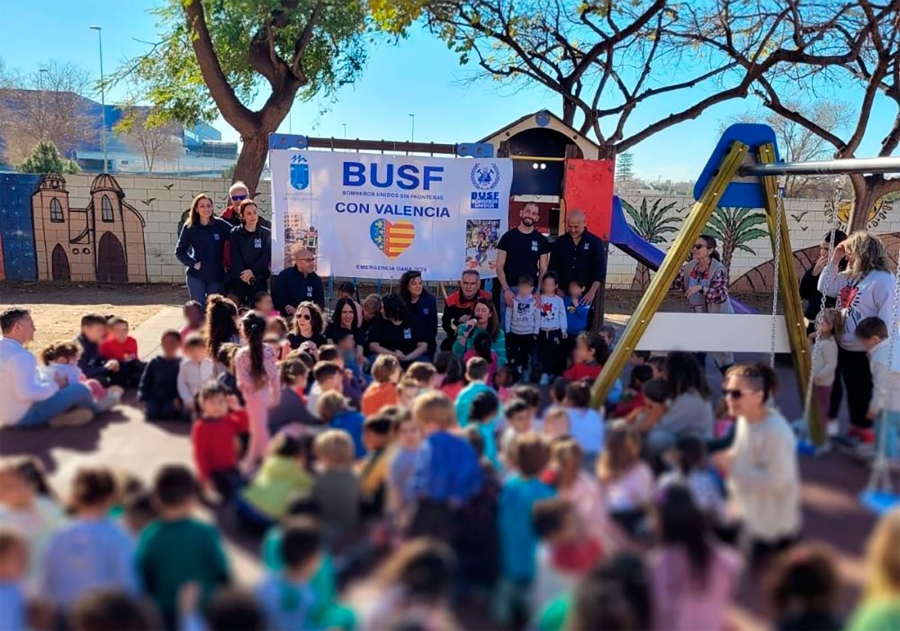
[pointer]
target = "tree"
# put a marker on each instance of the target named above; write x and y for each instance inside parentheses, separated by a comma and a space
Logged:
(797, 143)
(45, 105)
(651, 223)
(734, 228)
(857, 43)
(46, 159)
(154, 136)
(605, 59)
(215, 56)
(625, 167)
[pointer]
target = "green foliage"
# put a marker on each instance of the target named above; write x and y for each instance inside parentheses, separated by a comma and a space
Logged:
(737, 225)
(650, 221)
(46, 159)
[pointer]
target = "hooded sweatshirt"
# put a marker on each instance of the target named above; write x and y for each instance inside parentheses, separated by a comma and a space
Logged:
(872, 295)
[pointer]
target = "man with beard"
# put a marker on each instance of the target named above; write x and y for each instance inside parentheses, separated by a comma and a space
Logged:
(459, 306)
(522, 251)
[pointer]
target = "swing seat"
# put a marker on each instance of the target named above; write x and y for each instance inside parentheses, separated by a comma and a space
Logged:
(714, 332)
(879, 502)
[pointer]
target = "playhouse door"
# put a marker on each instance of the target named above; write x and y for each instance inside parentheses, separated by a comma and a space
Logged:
(60, 264)
(588, 186)
(112, 266)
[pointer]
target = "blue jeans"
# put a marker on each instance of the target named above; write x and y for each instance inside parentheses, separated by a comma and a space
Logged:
(199, 289)
(74, 395)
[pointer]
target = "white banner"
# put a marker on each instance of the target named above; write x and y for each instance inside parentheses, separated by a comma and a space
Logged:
(377, 216)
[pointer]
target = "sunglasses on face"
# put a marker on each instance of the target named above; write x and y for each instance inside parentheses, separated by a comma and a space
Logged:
(238, 198)
(305, 316)
(736, 394)
(699, 246)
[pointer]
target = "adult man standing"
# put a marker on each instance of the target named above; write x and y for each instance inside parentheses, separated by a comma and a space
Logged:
(579, 255)
(521, 251)
(27, 399)
(298, 283)
(459, 306)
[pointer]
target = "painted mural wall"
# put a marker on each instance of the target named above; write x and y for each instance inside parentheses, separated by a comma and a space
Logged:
(88, 228)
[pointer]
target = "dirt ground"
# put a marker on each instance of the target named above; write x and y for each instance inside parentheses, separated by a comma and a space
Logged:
(57, 308)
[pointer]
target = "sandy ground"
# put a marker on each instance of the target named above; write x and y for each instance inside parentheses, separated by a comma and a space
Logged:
(57, 308)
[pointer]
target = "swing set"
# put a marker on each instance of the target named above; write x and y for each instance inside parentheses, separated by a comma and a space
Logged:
(744, 170)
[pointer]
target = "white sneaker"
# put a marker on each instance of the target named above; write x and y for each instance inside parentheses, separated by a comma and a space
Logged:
(833, 427)
(73, 418)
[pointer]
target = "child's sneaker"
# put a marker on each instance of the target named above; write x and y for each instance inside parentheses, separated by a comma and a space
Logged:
(545, 380)
(112, 399)
(833, 427)
(73, 418)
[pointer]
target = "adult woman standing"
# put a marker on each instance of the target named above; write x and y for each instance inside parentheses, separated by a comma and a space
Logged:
(809, 284)
(308, 326)
(422, 305)
(251, 253)
(704, 281)
(484, 320)
(865, 289)
(397, 332)
(761, 466)
(200, 249)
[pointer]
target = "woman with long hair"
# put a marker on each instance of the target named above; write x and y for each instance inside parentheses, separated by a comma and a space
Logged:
(309, 324)
(690, 411)
(251, 253)
(256, 370)
(200, 249)
(704, 281)
(221, 326)
(485, 319)
(692, 578)
(421, 304)
(880, 607)
(761, 466)
(865, 289)
(345, 318)
(397, 333)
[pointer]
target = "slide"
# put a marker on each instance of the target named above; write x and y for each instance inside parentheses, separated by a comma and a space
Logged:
(626, 239)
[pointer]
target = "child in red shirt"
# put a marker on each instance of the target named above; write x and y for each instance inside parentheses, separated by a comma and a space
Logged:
(588, 358)
(122, 348)
(214, 437)
(633, 397)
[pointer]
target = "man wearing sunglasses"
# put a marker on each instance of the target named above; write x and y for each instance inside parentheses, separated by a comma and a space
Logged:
(298, 283)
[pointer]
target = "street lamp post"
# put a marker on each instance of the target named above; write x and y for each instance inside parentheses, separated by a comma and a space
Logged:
(345, 130)
(102, 99)
(41, 74)
(412, 136)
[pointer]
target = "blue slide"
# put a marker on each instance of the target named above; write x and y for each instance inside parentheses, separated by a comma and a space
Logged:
(626, 239)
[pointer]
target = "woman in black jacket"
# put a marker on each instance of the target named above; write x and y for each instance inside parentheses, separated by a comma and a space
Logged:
(421, 305)
(200, 249)
(251, 253)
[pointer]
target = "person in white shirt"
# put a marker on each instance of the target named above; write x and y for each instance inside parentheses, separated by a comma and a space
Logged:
(26, 398)
(864, 290)
(761, 467)
(554, 327)
(522, 324)
(830, 324)
(196, 369)
(885, 363)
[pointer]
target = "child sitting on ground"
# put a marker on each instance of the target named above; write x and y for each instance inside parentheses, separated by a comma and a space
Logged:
(378, 436)
(627, 481)
(423, 374)
(656, 402)
(122, 348)
(196, 369)
(194, 318)
(505, 380)
(382, 391)
(158, 389)
(483, 414)
(336, 491)
(214, 436)
(276, 325)
(329, 377)
(91, 551)
(803, 588)
(447, 473)
(225, 364)
(334, 409)
(588, 359)
(263, 305)
(693, 472)
(345, 341)
(292, 408)
(13, 572)
(349, 387)
(633, 397)
(585, 423)
(555, 423)
(61, 359)
(450, 377)
(403, 464)
(176, 549)
(408, 390)
(476, 374)
(884, 407)
(658, 363)
(518, 539)
(607, 333)
(281, 478)
(481, 347)
(825, 358)
(138, 511)
(519, 421)
(93, 331)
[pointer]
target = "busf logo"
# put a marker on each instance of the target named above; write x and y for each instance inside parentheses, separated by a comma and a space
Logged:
(299, 172)
(484, 177)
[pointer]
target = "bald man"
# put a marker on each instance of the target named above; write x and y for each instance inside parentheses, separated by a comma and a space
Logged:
(579, 256)
(298, 283)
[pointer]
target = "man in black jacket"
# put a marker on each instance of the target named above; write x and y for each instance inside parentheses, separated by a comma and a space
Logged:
(251, 254)
(579, 255)
(297, 284)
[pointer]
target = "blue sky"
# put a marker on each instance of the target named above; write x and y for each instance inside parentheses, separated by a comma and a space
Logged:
(419, 76)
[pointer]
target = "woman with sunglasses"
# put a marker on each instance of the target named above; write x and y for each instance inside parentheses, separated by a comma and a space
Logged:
(251, 253)
(308, 326)
(761, 466)
(704, 281)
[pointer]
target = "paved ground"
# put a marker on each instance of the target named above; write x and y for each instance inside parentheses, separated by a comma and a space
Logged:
(123, 439)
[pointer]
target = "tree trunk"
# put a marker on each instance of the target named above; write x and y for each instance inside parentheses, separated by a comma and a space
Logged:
(252, 159)
(863, 200)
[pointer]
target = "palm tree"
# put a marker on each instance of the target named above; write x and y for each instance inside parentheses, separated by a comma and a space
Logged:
(651, 223)
(734, 228)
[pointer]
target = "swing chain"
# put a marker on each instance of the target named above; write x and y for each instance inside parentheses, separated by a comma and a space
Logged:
(779, 214)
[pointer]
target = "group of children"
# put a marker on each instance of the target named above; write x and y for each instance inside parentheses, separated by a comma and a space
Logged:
(445, 475)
